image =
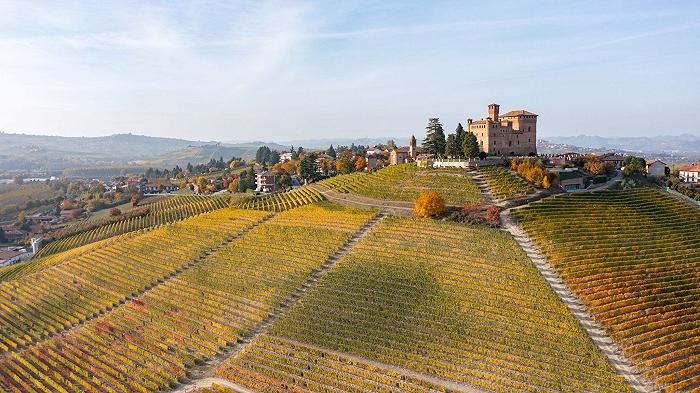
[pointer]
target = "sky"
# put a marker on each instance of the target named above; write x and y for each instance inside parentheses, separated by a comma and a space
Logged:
(284, 70)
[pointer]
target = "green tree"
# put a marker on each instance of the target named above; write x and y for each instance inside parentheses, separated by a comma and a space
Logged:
(459, 135)
(274, 157)
(470, 146)
(3, 238)
(634, 165)
(331, 152)
(307, 167)
(434, 142)
(452, 149)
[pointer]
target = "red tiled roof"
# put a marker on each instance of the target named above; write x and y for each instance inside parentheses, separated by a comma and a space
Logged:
(518, 112)
(691, 168)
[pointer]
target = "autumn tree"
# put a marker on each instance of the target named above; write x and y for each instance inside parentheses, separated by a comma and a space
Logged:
(67, 205)
(429, 204)
(634, 165)
(360, 163)
(434, 142)
(345, 163)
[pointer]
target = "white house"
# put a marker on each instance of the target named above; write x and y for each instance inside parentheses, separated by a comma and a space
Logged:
(656, 168)
(286, 156)
(690, 173)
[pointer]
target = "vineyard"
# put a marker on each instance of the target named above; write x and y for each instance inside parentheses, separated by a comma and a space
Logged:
(406, 182)
(167, 211)
(503, 183)
(634, 260)
(278, 202)
(439, 299)
(175, 309)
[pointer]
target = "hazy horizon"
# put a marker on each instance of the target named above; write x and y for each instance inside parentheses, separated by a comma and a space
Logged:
(280, 71)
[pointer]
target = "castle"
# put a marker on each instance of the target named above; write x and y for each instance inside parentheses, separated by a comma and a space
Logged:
(512, 134)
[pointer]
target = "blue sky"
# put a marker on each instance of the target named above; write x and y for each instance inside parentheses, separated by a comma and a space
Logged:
(244, 70)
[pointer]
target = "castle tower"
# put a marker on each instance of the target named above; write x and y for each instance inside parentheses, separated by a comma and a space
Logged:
(412, 147)
(493, 112)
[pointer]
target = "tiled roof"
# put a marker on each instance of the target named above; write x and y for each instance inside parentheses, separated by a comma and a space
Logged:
(518, 112)
(691, 168)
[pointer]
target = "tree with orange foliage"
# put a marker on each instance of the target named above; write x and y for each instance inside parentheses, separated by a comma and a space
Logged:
(360, 163)
(429, 204)
(67, 205)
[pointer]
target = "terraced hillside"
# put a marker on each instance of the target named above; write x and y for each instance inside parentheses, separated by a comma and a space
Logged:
(170, 210)
(406, 182)
(137, 318)
(420, 305)
(278, 202)
(503, 183)
(633, 257)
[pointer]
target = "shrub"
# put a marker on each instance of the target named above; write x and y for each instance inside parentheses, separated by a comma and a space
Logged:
(429, 204)
(493, 215)
(115, 212)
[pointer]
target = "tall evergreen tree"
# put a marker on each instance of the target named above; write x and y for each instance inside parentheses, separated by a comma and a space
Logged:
(331, 152)
(452, 149)
(434, 142)
(307, 167)
(459, 136)
(274, 157)
(470, 146)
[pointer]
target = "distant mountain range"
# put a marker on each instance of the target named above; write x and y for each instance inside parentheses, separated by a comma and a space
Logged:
(20, 152)
(670, 149)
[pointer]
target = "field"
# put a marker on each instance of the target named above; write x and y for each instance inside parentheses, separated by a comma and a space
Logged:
(15, 197)
(136, 314)
(278, 202)
(633, 257)
(437, 301)
(406, 182)
(503, 183)
(169, 210)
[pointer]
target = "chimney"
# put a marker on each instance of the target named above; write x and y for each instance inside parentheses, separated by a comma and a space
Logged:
(493, 112)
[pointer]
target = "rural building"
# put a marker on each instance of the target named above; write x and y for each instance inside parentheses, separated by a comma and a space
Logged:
(559, 160)
(14, 235)
(571, 179)
(10, 257)
(512, 134)
(401, 155)
(690, 173)
(265, 182)
(656, 168)
(613, 158)
(286, 156)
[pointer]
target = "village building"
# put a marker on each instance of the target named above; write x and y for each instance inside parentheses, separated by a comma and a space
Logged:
(657, 168)
(616, 159)
(690, 173)
(14, 235)
(265, 182)
(512, 134)
(286, 156)
(401, 155)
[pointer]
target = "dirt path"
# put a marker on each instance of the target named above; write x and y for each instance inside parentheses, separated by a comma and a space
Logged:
(450, 385)
(206, 370)
(397, 208)
(207, 382)
(597, 333)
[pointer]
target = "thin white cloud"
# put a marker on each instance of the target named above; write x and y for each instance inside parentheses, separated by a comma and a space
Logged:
(634, 37)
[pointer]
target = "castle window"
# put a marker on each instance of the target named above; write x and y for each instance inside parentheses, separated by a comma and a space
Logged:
(528, 128)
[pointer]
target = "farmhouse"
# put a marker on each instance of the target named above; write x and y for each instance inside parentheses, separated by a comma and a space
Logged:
(656, 168)
(514, 133)
(690, 173)
(613, 158)
(571, 179)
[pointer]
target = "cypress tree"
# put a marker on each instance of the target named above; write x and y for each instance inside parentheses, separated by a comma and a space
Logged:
(434, 142)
